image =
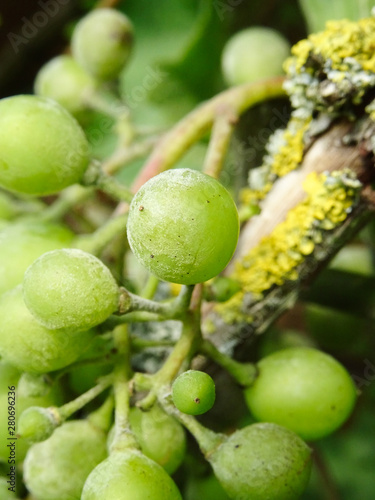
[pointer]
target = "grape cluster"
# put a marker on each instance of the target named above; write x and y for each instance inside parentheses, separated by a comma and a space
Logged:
(69, 304)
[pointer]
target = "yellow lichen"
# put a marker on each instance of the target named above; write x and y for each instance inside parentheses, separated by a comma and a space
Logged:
(276, 259)
(340, 42)
(290, 153)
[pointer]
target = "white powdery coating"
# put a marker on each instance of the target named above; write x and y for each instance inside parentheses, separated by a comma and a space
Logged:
(31, 347)
(183, 226)
(70, 288)
(56, 469)
(263, 461)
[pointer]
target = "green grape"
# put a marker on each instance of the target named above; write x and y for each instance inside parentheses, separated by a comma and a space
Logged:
(253, 54)
(304, 390)
(262, 461)
(37, 424)
(42, 147)
(31, 347)
(183, 226)
(193, 392)
(63, 80)
(9, 376)
(159, 436)
(69, 288)
(128, 475)
(56, 469)
(102, 42)
(22, 243)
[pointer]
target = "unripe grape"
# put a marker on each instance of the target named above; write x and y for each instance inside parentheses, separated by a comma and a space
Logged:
(56, 469)
(262, 461)
(193, 392)
(63, 80)
(160, 436)
(37, 424)
(128, 475)
(31, 347)
(22, 243)
(102, 42)
(7, 212)
(34, 385)
(253, 54)
(42, 147)
(183, 226)
(70, 288)
(304, 390)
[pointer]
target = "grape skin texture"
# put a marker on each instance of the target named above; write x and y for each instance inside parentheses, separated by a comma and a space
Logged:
(304, 390)
(193, 392)
(56, 469)
(63, 80)
(263, 462)
(42, 147)
(253, 54)
(129, 475)
(183, 226)
(36, 424)
(21, 244)
(31, 347)
(69, 288)
(101, 43)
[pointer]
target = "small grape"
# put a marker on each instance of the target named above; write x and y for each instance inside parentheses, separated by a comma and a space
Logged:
(34, 385)
(64, 81)
(42, 147)
(37, 424)
(70, 288)
(304, 390)
(193, 392)
(253, 54)
(102, 42)
(262, 461)
(31, 347)
(56, 469)
(160, 436)
(183, 226)
(22, 243)
(128, 475)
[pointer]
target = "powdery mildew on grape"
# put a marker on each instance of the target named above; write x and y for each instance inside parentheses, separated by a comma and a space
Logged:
(31, 347)
(69, 288)
(187, 229)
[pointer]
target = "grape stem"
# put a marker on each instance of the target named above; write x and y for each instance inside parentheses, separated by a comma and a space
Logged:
(95, 242)
(244, 373)
(197, 123)
(68, 409)
(94, 176)
(124, 155)
(208, 440)
(223, 127)
(175, 309)
(182, 354)
(102, 417)
(123, 437)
